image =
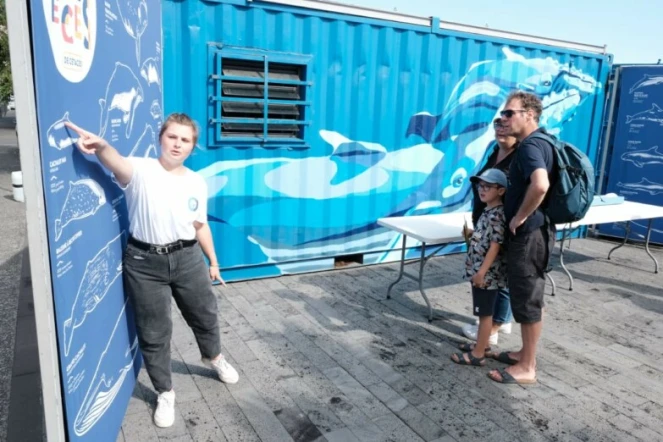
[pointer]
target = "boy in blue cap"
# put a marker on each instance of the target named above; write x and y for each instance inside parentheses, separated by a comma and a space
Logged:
(485, 264)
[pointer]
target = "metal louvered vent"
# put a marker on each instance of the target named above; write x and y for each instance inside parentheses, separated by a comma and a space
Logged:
(259, 97)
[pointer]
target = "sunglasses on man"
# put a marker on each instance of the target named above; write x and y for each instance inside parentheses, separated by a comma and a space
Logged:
(510, 112)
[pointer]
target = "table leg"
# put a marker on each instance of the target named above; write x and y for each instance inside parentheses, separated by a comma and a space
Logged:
(552, 282)
(626, 235)
(647, 245)
(400, 274)
(422, 263)
(561, 261)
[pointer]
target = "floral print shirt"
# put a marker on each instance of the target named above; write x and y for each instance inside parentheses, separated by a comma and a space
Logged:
(490, 228)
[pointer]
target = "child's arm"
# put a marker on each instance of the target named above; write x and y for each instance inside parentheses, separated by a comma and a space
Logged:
(493, 251)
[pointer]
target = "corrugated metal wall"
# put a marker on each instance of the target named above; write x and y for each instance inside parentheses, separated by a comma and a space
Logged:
(399, 119)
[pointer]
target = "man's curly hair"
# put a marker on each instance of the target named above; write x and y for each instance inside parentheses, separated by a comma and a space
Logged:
(529, 101)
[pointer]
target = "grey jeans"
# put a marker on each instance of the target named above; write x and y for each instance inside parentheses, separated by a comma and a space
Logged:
(150, 280)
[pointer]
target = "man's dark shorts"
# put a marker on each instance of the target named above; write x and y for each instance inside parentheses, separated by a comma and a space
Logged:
(528, 257)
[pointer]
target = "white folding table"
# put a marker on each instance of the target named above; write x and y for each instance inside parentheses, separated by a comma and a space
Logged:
(626, 211)
(431, 230)
(442, 230)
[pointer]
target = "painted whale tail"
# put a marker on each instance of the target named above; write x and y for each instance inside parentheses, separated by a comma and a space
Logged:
(102, 120)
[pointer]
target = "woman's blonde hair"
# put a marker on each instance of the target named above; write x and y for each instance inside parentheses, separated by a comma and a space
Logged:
(182, 119)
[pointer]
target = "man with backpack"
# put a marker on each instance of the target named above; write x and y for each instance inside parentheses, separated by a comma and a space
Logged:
(532, 235)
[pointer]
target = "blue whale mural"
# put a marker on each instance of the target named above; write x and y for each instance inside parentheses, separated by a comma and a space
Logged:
(428, 173)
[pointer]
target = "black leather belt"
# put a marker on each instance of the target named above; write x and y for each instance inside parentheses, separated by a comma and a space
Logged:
(163, 249)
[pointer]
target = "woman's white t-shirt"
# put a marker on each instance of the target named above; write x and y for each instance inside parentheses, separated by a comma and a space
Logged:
(163, 206)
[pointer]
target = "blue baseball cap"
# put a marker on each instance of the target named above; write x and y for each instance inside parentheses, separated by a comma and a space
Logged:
(492, 176)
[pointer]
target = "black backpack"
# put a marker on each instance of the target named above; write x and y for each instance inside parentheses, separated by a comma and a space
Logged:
(572, 188)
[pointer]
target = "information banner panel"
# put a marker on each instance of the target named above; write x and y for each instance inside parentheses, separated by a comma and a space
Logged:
(98, 65)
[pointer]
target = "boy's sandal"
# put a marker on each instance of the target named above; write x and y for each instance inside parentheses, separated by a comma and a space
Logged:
(477, 362)
(469, 347)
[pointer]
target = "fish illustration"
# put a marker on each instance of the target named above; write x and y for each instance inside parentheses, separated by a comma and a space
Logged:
(123, 93)
(150, 71)
(134, 18)
(146, 145)
(155, 110)
(646, 81)
(84, 198)
(58, 134)
(100, 274)
(655, 115)
(644, 186)
(644, 157)
(115, 363)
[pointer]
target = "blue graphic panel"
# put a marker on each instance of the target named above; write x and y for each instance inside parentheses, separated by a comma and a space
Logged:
(98, 65)
(637, 149)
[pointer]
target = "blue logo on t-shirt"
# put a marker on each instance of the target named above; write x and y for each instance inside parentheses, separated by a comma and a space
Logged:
(193, 204)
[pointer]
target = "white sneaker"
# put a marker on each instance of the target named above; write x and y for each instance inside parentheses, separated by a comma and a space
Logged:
(504, 328)
(226, 372)
(164, 415)
(470, 331)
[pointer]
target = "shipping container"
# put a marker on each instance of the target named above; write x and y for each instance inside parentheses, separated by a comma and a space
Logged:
(632, 156)
(318, 118)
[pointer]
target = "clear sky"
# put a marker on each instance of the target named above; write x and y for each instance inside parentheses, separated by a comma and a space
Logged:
(632, 29)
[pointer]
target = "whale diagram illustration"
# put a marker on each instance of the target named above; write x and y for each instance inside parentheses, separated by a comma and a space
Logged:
(655, 115)
(59, 136)
(643, 186)
(84, 198)
(150, 71)
(100, 274)
(134, 18)
(109, 376)
(641, 158)
(146, 145)
(646, 81)
(123, 93)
